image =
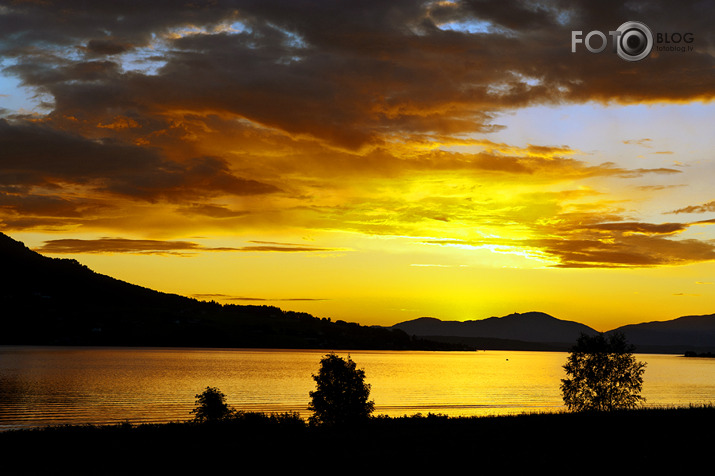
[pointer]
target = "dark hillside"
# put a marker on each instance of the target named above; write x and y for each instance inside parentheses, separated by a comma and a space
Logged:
(525, 331)
(687, 333)
(540, 331)
(50, 301)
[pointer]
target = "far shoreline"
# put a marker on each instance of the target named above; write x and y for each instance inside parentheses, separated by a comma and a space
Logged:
(536, 347)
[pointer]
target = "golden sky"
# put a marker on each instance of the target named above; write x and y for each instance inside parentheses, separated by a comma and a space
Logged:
(368, 161)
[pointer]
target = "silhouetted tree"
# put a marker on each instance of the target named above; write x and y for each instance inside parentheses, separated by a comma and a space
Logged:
(341, 395)
(603, 374)
(211, 406)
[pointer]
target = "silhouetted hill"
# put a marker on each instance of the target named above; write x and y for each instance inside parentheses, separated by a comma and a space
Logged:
(28, 278)
(539, 331)
(687, 333)
(51, 301)
(530, 327)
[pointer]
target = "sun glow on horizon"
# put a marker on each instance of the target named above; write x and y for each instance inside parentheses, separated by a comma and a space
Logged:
(370, 163)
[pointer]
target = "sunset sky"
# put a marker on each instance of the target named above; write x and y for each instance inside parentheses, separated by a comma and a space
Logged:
(371, 161)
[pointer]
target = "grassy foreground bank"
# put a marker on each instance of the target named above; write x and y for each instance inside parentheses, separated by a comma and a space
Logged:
(646, 439)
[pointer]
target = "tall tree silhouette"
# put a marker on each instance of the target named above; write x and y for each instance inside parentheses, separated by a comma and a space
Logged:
(341, 396)
(602, 374)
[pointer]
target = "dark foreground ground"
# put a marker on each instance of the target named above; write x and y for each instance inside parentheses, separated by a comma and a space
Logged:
(675, 441)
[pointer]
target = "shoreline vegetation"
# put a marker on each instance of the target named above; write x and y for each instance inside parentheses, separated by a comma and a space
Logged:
(342, 434)
(644, 438)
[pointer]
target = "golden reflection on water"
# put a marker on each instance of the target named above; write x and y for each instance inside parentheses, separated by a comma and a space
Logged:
(40, 386)
(463, 383)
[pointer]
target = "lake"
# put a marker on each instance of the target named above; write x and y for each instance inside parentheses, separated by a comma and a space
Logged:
(75, 385)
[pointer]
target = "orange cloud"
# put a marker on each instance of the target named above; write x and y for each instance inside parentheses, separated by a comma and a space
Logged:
(370, 117)
(124, 245)
(706, 207)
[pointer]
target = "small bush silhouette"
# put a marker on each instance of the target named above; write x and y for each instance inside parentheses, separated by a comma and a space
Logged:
(211, 406)
(341, 395)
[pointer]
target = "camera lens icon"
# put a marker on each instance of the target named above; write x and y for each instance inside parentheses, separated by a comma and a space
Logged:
(634, 42)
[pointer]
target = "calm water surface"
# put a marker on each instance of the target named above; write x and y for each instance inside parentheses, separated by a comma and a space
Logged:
(50, 385)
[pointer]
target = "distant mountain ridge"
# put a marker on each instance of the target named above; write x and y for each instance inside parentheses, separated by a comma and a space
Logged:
(51, 301)
(697, 332)
(529, 326)
(538, 330)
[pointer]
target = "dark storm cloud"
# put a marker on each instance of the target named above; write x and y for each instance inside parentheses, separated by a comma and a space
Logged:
(68, 23)
(350, 72)
(107, 47)
(24, 205)
(37, 155)
(135, 86)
